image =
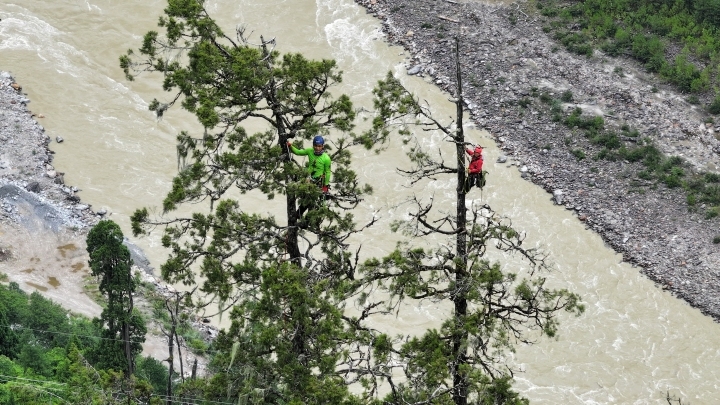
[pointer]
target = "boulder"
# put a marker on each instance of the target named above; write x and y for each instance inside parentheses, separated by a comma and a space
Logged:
(414, 70)
(33, 187)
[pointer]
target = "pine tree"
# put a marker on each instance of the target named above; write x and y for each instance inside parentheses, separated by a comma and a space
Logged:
(123, 327)
(461, 362)
(283, 286)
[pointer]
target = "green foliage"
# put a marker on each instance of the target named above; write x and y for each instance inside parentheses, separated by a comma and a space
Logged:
(290, 278)
(644, 30)
(686, 76)
(123, 327)
(152, 371)
(716, 239)
(8, 338)
(714, 106)
(493, 307)
(670, 171)
(712, 213)
(47, 349)
(575, 119)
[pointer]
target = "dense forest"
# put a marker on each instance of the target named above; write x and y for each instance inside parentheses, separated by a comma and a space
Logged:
(48, 355)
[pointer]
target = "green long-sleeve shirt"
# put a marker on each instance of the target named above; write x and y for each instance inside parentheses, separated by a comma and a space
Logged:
(317, 166)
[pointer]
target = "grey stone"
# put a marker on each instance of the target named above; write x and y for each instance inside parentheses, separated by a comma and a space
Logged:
(33, 187)
(414, 70)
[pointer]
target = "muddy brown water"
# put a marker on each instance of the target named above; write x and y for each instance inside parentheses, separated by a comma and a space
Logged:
(634, 343)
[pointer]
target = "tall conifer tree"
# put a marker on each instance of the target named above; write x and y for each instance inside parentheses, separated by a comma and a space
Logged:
(284, 286)
(492, 307)
(123, 328)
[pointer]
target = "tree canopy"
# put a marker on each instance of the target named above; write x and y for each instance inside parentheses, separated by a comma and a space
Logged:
(283, 286)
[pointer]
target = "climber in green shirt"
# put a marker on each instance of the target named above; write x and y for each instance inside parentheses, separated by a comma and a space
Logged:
(318, 166)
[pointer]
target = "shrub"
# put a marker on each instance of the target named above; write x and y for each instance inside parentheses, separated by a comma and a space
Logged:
(714, 107)
(578, 153)
(712, 177)
(566, 96)
(716, 239)
(608, 140)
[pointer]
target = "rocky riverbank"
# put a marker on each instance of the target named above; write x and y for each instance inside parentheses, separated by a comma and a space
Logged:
(506, 58)
(43, 223)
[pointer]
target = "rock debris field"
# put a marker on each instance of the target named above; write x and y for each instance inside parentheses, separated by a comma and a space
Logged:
(506, 58)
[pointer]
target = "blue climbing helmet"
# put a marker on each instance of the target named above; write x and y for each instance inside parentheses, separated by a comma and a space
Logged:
(318, 140)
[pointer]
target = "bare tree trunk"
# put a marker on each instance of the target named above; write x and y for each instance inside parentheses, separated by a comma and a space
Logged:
(171, 350)
(179, 352)
(459, 339)
(291, 236)
(126, 332)
(170, 369)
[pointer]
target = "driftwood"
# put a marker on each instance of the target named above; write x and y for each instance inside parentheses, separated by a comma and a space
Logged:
(442, 17)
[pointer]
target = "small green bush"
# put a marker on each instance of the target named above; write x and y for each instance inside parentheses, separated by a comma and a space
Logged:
(712, 213)
(716, 239)
(712, 177)
(578, 153)
(566, 96)
(608, 140)
(714, 107)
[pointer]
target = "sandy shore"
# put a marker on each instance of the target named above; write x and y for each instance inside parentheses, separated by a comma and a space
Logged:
(506, 58)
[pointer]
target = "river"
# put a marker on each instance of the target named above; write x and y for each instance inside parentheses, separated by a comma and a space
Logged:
(634, 343)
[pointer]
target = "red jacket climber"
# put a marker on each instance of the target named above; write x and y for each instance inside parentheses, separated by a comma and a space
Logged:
(475, 172)
(476, 161)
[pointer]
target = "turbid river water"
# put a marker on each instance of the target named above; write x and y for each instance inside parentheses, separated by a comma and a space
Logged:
(633, 344)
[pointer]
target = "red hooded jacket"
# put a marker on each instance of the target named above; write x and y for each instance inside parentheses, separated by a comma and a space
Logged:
(476, 162)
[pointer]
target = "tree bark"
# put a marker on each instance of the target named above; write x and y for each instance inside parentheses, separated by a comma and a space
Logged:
(126, 330)
(291, 236)
(459, 340)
